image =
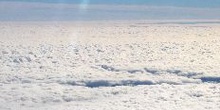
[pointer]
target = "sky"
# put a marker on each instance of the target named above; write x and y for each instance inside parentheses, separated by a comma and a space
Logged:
(72, 10)
(183, 3)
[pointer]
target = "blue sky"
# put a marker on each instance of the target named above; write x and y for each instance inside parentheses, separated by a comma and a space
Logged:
(178, 3)
(41, 10)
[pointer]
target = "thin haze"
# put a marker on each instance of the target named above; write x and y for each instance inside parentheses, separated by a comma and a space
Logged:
(67, 10)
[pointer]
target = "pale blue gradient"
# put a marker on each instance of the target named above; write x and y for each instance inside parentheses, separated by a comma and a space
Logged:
(74, 10)
(178, 3)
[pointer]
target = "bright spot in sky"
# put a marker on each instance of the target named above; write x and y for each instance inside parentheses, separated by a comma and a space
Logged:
(84, 4)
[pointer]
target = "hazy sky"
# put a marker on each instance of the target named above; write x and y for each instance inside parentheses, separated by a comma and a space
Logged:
(183, 3)
(63, 10)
